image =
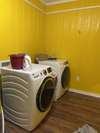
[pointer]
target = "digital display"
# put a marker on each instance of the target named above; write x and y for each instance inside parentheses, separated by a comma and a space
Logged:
(4, 64)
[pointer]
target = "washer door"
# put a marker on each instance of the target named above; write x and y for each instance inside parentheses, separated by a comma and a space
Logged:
(45, 94)
(65, 77)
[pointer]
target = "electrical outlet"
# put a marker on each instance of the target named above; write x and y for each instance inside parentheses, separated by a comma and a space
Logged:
(78, 78)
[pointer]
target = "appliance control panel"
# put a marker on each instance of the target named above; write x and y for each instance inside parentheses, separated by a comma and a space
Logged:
(4, 63)
(45, 72)
(49, 69)
(42, 73)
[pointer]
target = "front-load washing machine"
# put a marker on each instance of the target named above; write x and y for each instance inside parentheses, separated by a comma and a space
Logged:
(61, 67)
(27, 94)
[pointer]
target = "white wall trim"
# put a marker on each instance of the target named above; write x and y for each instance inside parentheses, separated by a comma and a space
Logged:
(42, 1)
(59, 2)
(61, 11)
(34, 6)
(84, 93)
(73, 9)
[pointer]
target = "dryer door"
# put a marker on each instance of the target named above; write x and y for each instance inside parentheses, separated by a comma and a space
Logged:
(65, 78)
(45, 94)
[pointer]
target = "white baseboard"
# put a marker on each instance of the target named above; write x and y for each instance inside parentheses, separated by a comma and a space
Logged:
(84, 93)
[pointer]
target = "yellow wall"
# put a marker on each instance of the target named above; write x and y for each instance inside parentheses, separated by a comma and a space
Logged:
(21, 28)
(71, 35)
(76, 36)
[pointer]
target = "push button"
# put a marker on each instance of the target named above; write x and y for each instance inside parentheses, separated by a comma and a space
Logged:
(44, 72)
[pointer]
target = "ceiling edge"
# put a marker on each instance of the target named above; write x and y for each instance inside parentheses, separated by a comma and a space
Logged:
(42, 1)
(55, 3)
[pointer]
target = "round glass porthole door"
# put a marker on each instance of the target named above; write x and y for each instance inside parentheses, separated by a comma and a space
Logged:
(65, 77)
(45, 94)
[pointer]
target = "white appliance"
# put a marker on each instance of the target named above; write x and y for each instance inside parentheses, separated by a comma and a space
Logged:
(27, 94)
(1, 120)
(61, 67)
(27, 61)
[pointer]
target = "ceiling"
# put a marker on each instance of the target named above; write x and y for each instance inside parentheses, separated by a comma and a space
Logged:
(51, 2)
